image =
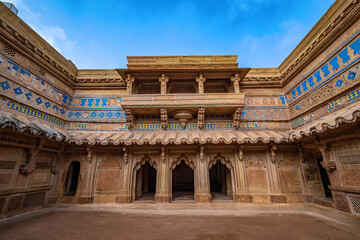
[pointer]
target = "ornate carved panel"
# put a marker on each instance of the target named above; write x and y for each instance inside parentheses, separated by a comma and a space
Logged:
(341, 202)
(219, 157)
(143, 160)
(184, 158)
(15, 203)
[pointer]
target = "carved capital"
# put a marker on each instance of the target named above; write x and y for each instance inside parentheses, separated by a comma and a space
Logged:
(184, 158)
(219, 157)
(129, 118)
(201, 118)
(164, 118)
(200, 80)
(236, 81)
(145, 159)
(129, 83)
(236, 117)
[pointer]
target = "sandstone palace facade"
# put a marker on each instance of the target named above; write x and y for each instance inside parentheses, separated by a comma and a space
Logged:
(182, 128)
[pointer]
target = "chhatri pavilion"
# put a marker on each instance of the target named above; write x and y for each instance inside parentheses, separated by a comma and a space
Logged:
(170, 129)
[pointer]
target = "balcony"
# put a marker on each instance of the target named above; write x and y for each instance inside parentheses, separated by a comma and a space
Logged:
(184, 106)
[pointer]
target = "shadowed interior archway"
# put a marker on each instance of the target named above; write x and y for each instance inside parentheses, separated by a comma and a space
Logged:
(72, 178)
(182, 179)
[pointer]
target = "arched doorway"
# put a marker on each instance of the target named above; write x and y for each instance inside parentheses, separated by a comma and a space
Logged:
(220, 174)
(72, 178)
(145, 185)
(182, 179)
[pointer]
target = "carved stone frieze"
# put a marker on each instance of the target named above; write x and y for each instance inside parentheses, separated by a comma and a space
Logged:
(201, 118)
(328, 165)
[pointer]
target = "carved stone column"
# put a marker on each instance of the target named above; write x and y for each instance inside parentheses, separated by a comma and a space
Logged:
(276, 195)
(139, 182)
(163, 194)
(87, 194)
(125, 177)
(201, 80)
(163, 83)
(203, 194)
(304, 183)
(55, 177)
(241, 185)
(129, 83)
(236, 81)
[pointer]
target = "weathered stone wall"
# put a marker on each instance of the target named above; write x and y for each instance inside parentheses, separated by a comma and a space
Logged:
(20, 190)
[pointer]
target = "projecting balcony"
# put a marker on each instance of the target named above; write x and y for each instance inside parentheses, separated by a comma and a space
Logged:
(183, 106)
(151, 103)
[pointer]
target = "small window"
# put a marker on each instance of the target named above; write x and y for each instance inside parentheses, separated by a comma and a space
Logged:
(72, 179)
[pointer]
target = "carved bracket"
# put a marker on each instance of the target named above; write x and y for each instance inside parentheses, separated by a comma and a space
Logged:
(129, 118)
(272, 153)
(184, 158)
(163, 154)
(241, 153)
(201, 153)
(29, 166)
(236, 117)
(143, 160)
(328, 165)
(126, 150)
(89, 151)
(164, 118)
(219, 157)
(201, 118)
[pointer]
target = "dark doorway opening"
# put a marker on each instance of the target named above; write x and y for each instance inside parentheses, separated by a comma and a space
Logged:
(183, 182)
(220, 182)
(145, 186)
(72, 179)
(324, 178)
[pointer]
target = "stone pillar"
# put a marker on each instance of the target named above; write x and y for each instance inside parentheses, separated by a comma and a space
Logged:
(146, 179)
(200, 80)
(139, 183)
(229, 186)
(304, 183)
(55, 177)
(125, 195)
(163, 83)
(236, 81)
(163, 194)
(87, 194)
(276, 195)
(129, 83)
(223, 178)
(202, 195)
(240, 179)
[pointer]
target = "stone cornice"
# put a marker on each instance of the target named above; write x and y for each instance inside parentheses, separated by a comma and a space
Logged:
(25, 47)
(335, 21)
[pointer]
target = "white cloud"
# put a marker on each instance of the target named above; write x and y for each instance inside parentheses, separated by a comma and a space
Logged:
(54, 35)
(236, 7)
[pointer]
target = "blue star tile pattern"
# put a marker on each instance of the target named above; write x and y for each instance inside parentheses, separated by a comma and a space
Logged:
(38, 101)
(47, 105)
(70, 114)
(5, 85)
(351, 75)
(18, 91)
(62, 111)
(339, 82)
(28, 95)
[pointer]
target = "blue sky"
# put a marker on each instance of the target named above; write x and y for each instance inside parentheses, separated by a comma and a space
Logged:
(100, 34)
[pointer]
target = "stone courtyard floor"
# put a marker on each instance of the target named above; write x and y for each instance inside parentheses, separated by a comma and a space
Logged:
(146, 221)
